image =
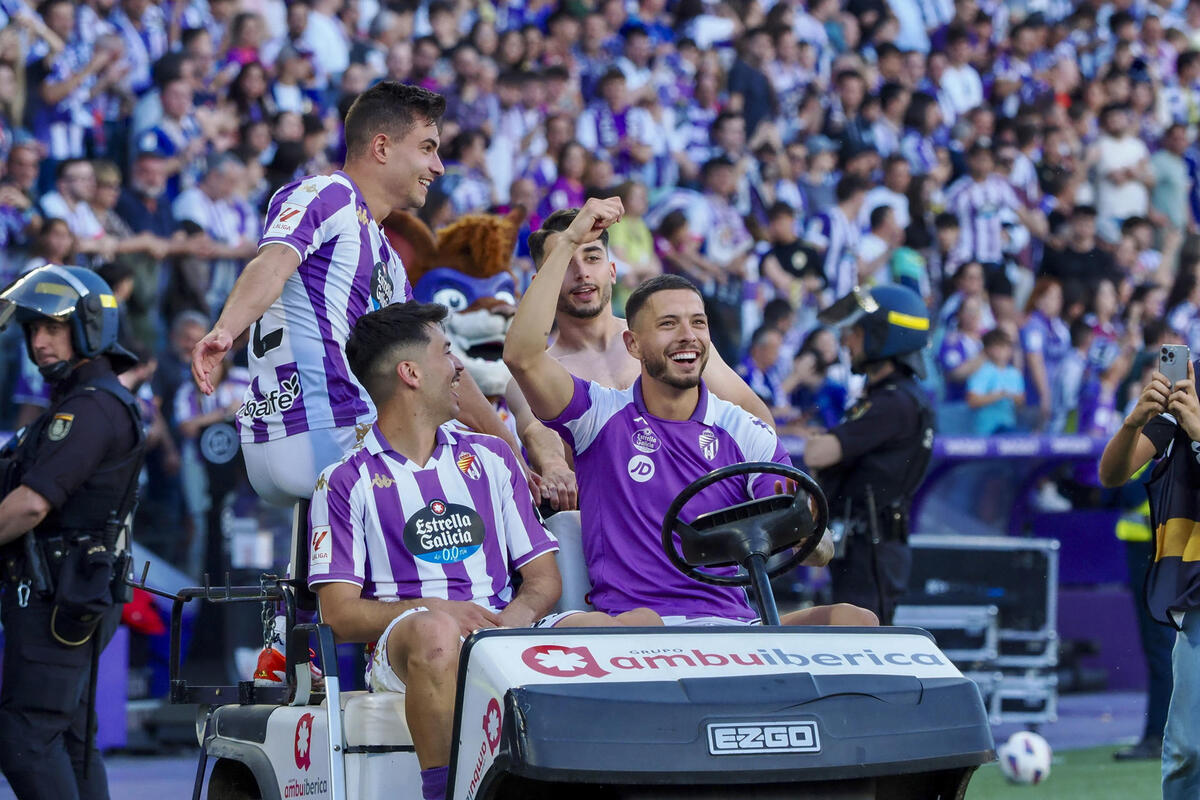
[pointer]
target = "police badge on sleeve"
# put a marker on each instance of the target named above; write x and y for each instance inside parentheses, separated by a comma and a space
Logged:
(59, 427)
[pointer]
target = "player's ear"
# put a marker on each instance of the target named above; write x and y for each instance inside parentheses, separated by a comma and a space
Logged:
(631, 344)
(409, 374)
(379, 147)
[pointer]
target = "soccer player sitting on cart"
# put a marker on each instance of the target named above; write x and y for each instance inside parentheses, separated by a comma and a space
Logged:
(414, 535)
(636, 448)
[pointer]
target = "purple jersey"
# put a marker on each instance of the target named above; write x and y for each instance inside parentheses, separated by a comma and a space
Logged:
(300, 378)
(455, 527)
(1052, 339)
(630, 465)
(957, 349)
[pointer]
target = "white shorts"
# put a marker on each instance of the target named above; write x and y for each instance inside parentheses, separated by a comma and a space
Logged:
(704, 622)
(382, 678)
(286, 470)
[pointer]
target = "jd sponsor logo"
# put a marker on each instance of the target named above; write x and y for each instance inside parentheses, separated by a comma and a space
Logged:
(746, 738)
(641, 468)
(444, 533)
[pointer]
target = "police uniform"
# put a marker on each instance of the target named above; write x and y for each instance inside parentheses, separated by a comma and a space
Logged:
(886, 442)
(59, 607)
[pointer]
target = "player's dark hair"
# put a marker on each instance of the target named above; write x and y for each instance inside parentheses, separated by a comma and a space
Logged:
(392, 108)
(557, 222)
(659, 283)
(377, 337)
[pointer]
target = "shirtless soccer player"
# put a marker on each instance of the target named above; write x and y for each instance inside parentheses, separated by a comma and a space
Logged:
(589, 345)
(636, 448)
(322, 263)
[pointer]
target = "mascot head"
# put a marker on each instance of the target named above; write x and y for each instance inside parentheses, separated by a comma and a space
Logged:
(467, 267)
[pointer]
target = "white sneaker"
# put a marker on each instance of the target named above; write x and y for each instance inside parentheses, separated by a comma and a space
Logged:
(1048, 499)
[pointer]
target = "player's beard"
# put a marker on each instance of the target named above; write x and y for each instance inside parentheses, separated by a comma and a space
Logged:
(603, 299)
(658, 366)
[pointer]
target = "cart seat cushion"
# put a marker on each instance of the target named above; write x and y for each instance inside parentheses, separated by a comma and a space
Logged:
(375, 718)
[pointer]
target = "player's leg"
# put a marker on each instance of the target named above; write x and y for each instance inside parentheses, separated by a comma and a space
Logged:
(422, 651)
(635, 618)
(286, 470)
(836, 614)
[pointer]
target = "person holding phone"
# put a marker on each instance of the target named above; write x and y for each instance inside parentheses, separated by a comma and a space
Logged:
(1164, 425)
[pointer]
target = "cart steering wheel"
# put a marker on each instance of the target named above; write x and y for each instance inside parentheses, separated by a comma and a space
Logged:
(777, 532)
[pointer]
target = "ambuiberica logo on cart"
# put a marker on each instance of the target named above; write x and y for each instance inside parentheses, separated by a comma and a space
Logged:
(901, 654)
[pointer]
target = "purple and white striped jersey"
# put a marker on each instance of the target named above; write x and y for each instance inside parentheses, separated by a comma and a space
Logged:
(979, 206)
(630, 466)
(190, 402)
(455, 527)
(831, 232)
(300, 378)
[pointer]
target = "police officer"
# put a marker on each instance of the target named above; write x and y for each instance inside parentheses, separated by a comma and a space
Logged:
(70, 480)
(873, 461)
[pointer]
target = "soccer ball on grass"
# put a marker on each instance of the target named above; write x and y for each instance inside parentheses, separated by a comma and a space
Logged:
(1025, 758)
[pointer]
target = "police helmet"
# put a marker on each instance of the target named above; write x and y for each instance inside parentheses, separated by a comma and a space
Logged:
(894, 321)
(76, 296)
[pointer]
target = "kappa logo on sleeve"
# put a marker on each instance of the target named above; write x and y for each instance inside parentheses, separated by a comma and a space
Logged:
(322, 547)
(287, 220)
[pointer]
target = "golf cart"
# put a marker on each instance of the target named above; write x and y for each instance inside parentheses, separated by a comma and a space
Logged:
(622, 713)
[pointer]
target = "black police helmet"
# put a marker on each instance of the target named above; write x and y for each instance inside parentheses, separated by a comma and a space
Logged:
(76, 296)
(894, 321)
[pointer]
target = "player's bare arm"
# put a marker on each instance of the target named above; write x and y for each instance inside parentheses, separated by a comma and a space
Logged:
(259, 285)
(729, 386)
(541, 586)
(548, 456)
(355, 619)
(547, 385)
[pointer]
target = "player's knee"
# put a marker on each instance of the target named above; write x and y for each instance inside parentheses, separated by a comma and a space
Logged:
(640, 618)
(847, 614)
(431, 644)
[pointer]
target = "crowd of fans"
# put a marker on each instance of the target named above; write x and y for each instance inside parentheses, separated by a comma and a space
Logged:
(1026, 165)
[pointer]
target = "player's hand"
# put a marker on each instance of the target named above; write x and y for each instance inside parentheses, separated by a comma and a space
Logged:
(516, 615)
(209, 352)
(823, 553)
(593, 219)
(559, 487)
(1153, 400)
(1184, 404)
(470, 617)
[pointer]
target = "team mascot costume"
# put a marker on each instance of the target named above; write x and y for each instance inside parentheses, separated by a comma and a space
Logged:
(467, 267)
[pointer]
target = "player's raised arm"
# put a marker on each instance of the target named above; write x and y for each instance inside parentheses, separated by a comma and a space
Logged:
(259, 285)
(546, 383)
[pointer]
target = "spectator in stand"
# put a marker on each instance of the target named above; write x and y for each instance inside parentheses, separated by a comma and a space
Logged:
(1169, 195)
(922, 123)
(71, 202)
(750, 91)
(631, 244)
(760, 368)
(818, 399)
(466, 179)
(877, 247)
(1082, 259)
(968, 282)
(567, 190)
(835, 235)
(1123, 171)
(728, 244)
(819, 183)
(613, 129)
(1045, 340)
(178, 136)
(232, 230)
(959, 357)
(996, 389)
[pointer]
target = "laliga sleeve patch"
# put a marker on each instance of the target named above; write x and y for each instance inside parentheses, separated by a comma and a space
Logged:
(444, 533)
(286, 221)
(60, 426)
(321, 551)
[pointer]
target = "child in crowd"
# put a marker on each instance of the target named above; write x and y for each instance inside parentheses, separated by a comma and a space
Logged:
(996, 389)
